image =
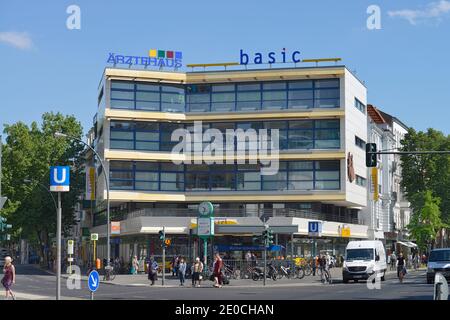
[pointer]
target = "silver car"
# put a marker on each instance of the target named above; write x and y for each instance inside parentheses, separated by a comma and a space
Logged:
(439, 261)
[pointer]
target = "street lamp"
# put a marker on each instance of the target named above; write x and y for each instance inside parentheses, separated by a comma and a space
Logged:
(108, 246)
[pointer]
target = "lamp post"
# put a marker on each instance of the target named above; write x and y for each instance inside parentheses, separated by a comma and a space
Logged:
(43, 187)
(108, 245)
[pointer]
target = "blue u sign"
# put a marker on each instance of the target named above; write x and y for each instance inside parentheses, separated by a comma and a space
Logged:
(315, 228)
(60, 178)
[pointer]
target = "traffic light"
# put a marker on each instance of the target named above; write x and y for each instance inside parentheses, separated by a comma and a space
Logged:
(162, 237)
(371, 158)
(269, 237)
(3, 225)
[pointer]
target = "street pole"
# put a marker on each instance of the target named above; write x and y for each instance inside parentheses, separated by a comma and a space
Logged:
(265, 263)
(58, 249)
(164, 257)
(205, 252)
(108, 231)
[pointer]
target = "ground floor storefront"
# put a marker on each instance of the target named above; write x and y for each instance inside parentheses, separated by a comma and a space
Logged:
(233, 238)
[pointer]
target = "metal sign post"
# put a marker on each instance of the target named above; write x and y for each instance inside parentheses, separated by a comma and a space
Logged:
(164, 257)
(93, 282)
(59, 182)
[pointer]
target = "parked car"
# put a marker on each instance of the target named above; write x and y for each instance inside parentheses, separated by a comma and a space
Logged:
(363, 259)
(439, 261)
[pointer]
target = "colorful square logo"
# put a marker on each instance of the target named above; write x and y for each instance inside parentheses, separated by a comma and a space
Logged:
(161, 54)
(178, 55)
(169, 54)
(152, 53)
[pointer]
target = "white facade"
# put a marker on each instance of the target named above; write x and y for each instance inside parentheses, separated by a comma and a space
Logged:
(391, 213)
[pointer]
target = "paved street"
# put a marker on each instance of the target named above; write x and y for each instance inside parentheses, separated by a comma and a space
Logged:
(33, 283)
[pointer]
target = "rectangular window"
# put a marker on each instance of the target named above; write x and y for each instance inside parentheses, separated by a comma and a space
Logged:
(360, 143)
(360, 106)
(360, 181)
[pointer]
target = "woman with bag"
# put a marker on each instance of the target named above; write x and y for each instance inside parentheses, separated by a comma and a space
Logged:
(9, 278)
(182, 271)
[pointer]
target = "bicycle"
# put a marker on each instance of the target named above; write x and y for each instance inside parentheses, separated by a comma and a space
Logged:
(109, 275)
(325, 276)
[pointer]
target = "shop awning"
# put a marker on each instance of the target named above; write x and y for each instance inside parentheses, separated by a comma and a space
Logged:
(407, 244)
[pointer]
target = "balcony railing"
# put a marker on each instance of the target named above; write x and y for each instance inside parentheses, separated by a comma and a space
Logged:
(260, 213)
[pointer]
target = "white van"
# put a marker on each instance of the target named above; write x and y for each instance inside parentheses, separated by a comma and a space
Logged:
(439, 261)
(363, 259)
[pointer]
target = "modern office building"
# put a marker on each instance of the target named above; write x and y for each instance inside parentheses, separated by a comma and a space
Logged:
(387, 217)
(321, 116)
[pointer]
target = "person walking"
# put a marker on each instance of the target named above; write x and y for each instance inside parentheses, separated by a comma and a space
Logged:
(182, 271)
(9, 278)
(401, 267)
(393, 260)
(217, 271)
(198, 270)
(135, 265)
(152, 270)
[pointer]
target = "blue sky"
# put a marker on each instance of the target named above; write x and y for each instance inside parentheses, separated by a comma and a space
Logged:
(46, 67)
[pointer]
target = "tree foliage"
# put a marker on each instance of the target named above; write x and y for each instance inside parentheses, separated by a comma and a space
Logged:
(426, 223)
(427, 173)
(28, 154)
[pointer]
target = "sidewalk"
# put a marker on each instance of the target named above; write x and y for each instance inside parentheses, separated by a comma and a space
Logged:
(141, 280)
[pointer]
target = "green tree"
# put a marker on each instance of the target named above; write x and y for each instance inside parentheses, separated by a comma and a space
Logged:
(426, 223)
(430, 172)
(28, 154)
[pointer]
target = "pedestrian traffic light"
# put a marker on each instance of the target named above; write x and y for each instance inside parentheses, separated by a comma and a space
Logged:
(162, 235)
(371, 158)
(269, 237)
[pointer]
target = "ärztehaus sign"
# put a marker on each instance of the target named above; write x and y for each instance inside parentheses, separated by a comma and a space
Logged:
(155, 58)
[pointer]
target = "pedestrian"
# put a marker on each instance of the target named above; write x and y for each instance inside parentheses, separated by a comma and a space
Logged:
(198, 269)
(135, 265)
(173, 265)
(9, 278)
(217, 271)
(182, 271)
(401, 267)
(152, 270)
(393, 260)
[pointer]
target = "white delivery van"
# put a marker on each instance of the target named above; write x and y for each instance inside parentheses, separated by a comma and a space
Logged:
(363, 259)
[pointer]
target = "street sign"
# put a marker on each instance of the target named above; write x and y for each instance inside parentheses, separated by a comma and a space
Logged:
(60, 178)
(70, 246)
(205, 227)
(115, 227)
(345, 232)
(315, 228)
(374, 175)
(93, 281)
(94, 236)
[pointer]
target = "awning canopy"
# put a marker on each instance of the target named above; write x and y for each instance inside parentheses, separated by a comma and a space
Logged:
(408, 244)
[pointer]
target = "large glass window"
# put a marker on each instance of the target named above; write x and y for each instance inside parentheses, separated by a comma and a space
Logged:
(292, 175)
(276, 95)
(295, 134)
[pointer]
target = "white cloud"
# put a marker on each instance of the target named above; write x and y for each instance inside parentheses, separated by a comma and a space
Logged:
(20, 40)
(434, 10)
